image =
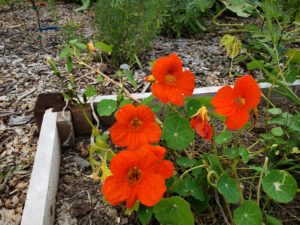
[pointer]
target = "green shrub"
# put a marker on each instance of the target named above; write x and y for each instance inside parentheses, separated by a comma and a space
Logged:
(185, 17)
(130, 26)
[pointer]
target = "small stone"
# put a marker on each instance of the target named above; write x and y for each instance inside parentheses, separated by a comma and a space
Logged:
(22, 198)
(19, 210)
(22, 185)
(15, 200)
(124, 221)
(81, 163)
(68, 179)
(8, 204)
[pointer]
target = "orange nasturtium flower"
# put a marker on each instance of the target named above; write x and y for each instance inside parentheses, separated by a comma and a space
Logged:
(135, 126)
(236, 103)
(199, 123)
(135, 176)
(170, 82)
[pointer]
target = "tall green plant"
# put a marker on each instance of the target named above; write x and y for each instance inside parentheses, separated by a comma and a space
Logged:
(184, 18)
(129, 26)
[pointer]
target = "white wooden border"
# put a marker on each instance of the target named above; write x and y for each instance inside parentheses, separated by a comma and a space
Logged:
(197, 92)
(41, 196)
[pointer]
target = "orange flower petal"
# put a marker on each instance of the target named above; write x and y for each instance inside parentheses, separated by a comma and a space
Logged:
(224, 97)
(132, 198)
(112, 191)
(185, 82)
(151, 190)
(121, 163)
(159, 151)
(237, 120)
(159, 91)
(166, 169)
(125, 113)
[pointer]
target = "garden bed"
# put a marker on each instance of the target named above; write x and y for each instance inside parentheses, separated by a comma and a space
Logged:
(23, 51)
(79, 199)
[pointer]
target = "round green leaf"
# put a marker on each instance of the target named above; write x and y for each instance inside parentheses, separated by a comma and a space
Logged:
(248, 214)
(145, 214)
(223, 137)
(270, 220)
(186, 162)
(280, 186)
(177, 132)
(90, 91)
(275, 111)
(174, 211)
(106, 107)
(231, 153)
(228, 187)
(189, 187)
(244, 153)
(277, 131)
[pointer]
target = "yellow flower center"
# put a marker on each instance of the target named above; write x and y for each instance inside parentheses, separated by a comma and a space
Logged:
(134, 175)
(170, 80)
(240, 101)
(136, 123)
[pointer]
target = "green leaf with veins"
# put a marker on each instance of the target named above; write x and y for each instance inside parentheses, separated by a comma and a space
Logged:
(174, 211)
(248, 214)
(106, 107)
(280, 186)
(177, 132)
(228, 187)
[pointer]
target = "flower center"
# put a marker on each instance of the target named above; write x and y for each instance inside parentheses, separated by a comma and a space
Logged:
(134, 175)
(240, 101)
(170, 80)
(135, 123)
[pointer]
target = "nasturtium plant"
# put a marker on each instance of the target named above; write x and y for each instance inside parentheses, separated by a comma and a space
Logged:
(223, 137)
(270, 220)
(90, 91)
(174, 211)
(189, 186)
(280, 186)
(277, 131)
(145, 214)
(244, 153)
(177, 132)
(248, 214)
(186, 162)
(106, 107)
(228, 187)
(179, 155)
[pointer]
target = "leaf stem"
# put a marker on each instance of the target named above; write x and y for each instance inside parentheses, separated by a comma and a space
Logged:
(260, 181)
(189, 170)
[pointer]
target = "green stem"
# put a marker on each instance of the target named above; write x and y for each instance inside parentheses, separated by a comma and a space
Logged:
(189, 170)
(214, 137)
(260, 180)
(236, 176)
